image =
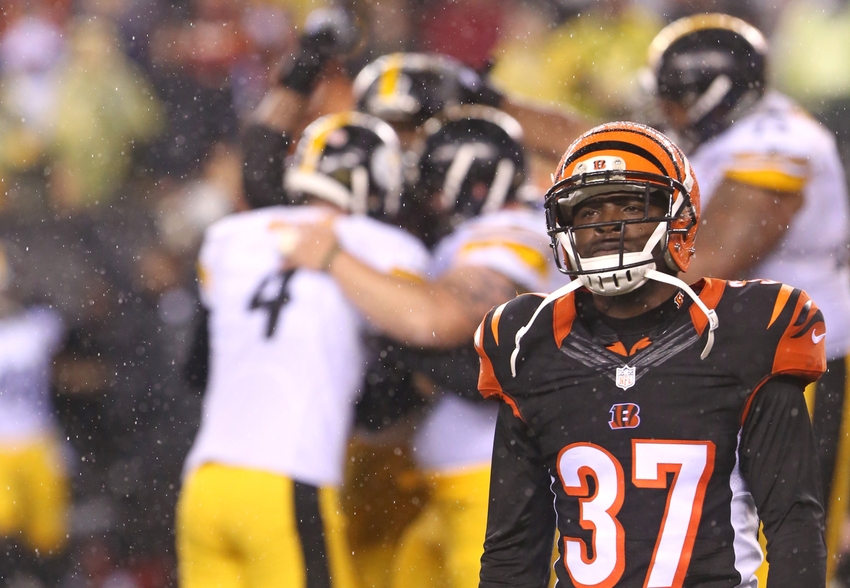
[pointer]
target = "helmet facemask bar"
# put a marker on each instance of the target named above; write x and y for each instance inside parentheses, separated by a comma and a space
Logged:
(621, 272)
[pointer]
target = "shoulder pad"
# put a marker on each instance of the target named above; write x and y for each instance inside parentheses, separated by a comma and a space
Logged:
(780, 325)
(495, 339)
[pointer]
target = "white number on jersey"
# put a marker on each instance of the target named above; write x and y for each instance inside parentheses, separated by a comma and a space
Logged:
(690, 462)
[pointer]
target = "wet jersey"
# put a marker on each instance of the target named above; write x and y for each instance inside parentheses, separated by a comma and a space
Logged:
(459, 432)
(660, 464)
(286, 347)
(780, 147)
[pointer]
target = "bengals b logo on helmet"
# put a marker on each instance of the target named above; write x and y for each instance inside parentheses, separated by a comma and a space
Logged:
(624, 416)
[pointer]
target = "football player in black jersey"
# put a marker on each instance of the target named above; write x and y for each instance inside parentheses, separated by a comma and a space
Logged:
(664, 421)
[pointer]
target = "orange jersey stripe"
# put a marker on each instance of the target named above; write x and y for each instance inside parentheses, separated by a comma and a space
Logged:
(494, 322)
(563, 317)
(802, 349)
(710, 295)
(781, 300)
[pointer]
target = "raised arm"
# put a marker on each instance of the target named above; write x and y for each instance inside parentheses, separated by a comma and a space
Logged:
(305, 85)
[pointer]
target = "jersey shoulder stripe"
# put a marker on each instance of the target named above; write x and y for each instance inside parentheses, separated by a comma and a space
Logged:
(778, 325)
(494, 343)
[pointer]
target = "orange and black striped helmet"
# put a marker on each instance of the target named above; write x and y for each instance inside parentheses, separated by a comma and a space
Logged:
(632, 158)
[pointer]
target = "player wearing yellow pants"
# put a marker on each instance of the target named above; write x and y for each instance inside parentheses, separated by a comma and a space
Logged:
(286, 352)
(34, 488)
(242, 527)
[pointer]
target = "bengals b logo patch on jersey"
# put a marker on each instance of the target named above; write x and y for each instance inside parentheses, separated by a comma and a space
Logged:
(624, 416)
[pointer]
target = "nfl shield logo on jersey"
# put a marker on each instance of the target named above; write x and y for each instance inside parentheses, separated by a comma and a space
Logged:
(625, 377)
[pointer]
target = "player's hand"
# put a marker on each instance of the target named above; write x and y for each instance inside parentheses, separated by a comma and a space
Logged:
(328, 33)
(316, 247)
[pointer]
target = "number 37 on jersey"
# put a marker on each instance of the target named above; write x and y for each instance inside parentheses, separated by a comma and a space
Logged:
(601, 563)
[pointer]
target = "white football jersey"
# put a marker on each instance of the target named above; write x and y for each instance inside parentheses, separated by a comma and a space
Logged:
(286, 348)
(779, 146)
(28, 342)
(458, 433)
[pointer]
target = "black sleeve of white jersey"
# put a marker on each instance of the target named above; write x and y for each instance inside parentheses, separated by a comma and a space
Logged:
(779, 462)
(521, 516)
(264, 153)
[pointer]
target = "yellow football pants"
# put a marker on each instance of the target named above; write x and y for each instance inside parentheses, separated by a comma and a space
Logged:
(444, 544)
(34, 495)
(243, 528)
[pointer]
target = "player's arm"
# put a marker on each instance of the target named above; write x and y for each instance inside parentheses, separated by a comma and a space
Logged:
(520, 519)
(779, 462)
(741, 225)
(287, 106)
(441, 314)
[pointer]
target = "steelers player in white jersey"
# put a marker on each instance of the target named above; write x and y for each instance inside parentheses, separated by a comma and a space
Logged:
(259, 504)
(470, 171)
(34, 483)
(774, 200)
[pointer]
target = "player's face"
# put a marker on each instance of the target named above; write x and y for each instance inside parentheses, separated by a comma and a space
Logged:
(603, 215)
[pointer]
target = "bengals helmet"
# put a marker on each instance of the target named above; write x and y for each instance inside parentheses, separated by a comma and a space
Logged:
(410, 88)
(471, 160)
(352, 160)
(714, 66)
(624, 157)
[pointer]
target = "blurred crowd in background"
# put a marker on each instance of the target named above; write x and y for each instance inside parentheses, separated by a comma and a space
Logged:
(119, 144)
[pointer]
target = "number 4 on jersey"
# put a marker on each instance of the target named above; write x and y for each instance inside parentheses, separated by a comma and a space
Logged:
(272, 295)
(690, 462)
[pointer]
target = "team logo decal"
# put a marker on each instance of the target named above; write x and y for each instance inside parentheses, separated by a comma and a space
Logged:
(624, 416)
(625, 377)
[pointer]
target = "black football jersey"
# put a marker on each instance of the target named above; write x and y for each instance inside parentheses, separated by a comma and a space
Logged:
(660, 465)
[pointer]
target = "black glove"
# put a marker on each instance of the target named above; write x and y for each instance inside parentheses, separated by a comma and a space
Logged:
(328, 32)
(477, 89)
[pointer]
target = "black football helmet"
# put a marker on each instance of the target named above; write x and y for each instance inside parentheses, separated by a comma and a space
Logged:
(410, 88)
(714, 66)
(471, 161)
(351, 159)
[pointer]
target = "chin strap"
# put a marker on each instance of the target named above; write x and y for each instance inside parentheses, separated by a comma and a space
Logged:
(652, 274)
(711, 315)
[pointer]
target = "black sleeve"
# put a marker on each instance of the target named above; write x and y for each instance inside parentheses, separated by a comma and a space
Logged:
(453, 370)
(196, 370)
(521, 516)
(779, 462)
(387, 393)
(264, 158)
